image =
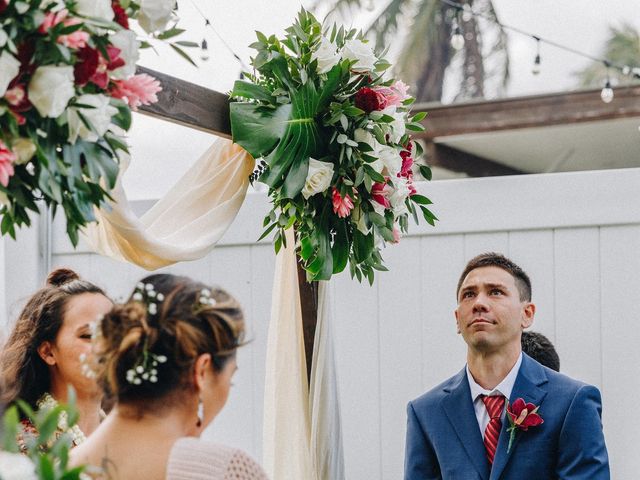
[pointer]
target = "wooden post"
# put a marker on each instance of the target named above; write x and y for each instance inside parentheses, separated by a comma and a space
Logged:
(197, 107)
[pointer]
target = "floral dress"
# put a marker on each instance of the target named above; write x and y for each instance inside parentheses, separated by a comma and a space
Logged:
(29, 430)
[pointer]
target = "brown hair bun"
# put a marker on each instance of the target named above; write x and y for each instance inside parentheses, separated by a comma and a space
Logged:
(60, 276)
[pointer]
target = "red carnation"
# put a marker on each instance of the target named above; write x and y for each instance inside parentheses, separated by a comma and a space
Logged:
(368, 99)
(120, 14)
(86, 66)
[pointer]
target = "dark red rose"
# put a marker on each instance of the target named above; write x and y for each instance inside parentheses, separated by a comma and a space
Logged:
(120, 15)
(3, 5)
(369, 100)
(523, 415)
(86, 66)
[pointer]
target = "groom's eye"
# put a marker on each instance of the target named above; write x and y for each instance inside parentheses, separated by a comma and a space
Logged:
(496, 291)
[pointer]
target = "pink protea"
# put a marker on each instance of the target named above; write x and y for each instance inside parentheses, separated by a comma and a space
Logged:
(380, 193)
(342, 206)
(7, 158)
(395, 94)
(138, 90)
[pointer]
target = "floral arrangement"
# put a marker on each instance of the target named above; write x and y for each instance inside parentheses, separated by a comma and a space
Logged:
(67, 88)
(521, 416)
(333, 135)
(47, 453)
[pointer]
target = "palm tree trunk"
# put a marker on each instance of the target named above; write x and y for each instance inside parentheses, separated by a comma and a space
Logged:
(430, 82)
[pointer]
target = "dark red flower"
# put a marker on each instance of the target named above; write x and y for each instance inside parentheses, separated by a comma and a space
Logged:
(3, 5)
(114, 58)
(86, 66)
(369, 100)
(25, 55)
(121, 17)
(523, 415)
(407, 163)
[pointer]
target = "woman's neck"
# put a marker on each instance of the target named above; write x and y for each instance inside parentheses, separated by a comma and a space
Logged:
(89, 412)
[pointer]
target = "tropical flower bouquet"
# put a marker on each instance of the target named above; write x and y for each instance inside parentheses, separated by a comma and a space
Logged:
(67, 88)
(332, 133)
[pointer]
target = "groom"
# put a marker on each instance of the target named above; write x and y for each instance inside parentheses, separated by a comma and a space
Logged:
(459, 429)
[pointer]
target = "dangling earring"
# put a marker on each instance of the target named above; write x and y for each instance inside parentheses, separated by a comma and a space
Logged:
(200, 413)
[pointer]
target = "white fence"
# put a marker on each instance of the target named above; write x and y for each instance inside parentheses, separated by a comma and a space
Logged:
(576, 234)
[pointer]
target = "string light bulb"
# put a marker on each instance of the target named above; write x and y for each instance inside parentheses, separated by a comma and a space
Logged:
(370, 6)
(536, 62)
(204, 50)
(607, 92)
(457, 39)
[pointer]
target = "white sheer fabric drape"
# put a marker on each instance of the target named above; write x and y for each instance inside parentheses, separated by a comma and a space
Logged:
(302, 434)
(187, 222)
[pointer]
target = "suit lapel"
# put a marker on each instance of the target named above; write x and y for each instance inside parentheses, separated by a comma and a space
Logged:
(528, 382)
(459, 409)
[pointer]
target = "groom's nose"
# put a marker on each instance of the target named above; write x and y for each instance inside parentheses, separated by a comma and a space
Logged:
(480, 303)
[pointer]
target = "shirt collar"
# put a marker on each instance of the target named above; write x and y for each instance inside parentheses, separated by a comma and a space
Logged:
(504, 387)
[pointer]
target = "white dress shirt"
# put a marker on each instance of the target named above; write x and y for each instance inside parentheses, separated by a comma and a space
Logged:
(503, 388)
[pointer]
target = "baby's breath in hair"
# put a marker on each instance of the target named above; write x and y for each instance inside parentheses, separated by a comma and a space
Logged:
(145, 368)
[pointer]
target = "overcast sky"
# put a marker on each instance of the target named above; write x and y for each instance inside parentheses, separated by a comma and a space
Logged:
(581, 24)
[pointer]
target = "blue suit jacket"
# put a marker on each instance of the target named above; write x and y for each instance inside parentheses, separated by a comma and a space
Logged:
(444, 440)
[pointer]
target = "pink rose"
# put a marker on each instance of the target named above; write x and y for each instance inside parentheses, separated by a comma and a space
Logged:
(342, 206)
(138, 90)
(74, 40)
(7, 158)
(395, 94)
(51, 19)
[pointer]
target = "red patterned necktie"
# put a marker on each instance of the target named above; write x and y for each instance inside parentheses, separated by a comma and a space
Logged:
(494, 404)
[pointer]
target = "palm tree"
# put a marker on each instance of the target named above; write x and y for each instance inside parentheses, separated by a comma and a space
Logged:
(423, 29)
(621, 48)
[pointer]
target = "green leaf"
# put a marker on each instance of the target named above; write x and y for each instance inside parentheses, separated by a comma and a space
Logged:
(416, 127)
(11, 421)
(375, 176)
(340, 249)
(185, 43)
(419, 116)
(257, 129)
(268, 231)
(183, 54)
(252, 91)
(425, 171)
(172, 32)
(422, 200)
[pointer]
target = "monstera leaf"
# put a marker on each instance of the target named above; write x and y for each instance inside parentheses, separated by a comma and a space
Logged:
(286, 135)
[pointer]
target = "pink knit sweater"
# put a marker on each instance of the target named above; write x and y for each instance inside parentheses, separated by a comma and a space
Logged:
(195, 459)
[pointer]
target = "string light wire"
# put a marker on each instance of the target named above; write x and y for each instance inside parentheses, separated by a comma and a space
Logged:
(633, 72)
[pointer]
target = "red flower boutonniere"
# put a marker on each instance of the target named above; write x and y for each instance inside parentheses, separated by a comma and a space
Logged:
(521, 415)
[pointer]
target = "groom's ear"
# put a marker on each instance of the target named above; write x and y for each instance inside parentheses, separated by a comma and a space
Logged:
(455, 314)
(528, 312)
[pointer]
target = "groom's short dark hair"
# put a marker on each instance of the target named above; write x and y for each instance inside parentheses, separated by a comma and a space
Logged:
(493, 259)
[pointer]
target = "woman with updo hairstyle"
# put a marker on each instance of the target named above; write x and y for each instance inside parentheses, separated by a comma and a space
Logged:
(45, 353)
(166, 357)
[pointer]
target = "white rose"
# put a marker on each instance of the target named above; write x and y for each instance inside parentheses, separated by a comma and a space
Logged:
(9, 68)
(99, 117)
(326, 55)
(95, 9)
(24, 148)
(398, 128)
(126, 41)
(391, 159)
(155, 14)
(50, 89)
(400, 193)
(360, 51)
(15, 466)
(318, 178)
